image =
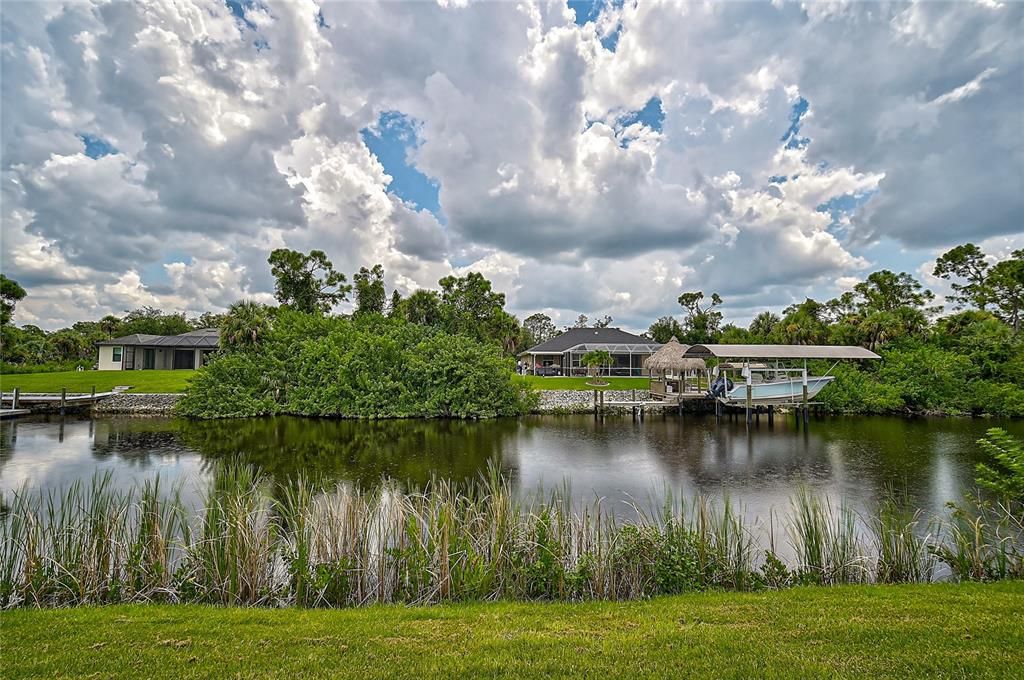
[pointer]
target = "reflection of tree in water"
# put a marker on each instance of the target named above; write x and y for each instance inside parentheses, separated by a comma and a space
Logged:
(409, 451)
(716, 453)
(880, 455)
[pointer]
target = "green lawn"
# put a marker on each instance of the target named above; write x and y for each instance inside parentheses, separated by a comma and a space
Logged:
(84, 381)
(555, 383)
(930, 631)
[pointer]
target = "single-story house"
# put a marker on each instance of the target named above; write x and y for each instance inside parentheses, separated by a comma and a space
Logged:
(563, 354)
(141, 351)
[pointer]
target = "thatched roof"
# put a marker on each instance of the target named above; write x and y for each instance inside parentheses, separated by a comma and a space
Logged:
(670, 358)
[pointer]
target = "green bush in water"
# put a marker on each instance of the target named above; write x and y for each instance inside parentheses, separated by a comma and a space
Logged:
(366, 367)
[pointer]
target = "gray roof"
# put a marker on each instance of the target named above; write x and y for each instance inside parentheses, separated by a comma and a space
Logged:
(587, 338)
(205, 338)
(781, 352)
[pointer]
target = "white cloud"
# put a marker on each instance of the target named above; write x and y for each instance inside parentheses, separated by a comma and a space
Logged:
(235, 137)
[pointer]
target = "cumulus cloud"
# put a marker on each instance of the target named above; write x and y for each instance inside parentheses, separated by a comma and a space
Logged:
(790, 139)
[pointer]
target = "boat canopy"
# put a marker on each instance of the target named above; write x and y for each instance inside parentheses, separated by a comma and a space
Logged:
(781, 352)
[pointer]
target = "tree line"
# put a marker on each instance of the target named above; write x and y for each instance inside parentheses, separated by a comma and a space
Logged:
(969, 360)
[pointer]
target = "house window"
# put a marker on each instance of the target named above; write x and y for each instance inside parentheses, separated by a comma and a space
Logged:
(116, 355)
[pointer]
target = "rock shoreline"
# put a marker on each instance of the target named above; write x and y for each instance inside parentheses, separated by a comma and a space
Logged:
(551, 402)
(138, 404)
(582, 401)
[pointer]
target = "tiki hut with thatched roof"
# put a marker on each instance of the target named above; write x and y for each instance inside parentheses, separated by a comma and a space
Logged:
(669, 368)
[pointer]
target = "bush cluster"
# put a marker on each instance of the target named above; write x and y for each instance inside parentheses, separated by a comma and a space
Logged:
(941, 375)
(367, 366)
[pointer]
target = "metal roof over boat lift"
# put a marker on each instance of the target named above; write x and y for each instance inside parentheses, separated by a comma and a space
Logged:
(781, 352)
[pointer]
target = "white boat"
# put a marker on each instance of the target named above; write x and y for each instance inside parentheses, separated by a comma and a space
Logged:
(785, 391)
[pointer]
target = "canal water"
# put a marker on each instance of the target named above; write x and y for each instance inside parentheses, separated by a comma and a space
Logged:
(856, 460)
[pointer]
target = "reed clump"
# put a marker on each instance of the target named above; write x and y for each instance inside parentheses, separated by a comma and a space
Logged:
(256, 544)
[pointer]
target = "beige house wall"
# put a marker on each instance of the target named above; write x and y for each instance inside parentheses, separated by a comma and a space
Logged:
(163, 358)
(106, 361)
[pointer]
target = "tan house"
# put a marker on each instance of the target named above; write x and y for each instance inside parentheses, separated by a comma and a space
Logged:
(142, 352)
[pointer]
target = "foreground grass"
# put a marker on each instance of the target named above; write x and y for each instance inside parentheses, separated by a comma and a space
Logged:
(557, 383)
(948, 630)
(103, 381)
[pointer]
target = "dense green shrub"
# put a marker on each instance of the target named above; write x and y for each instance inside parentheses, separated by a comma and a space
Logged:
(859, 391)
(229, 386)
(365, 367)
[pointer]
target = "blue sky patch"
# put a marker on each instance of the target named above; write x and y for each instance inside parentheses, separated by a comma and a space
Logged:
(847, 204)
(792, 136)
(778, 179)
(392, 142)
(96, 147)
(238, 7)
(611, 41)
(586, 10)
(652, 115)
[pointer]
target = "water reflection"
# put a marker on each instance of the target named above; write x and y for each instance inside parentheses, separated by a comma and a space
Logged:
(856, 460)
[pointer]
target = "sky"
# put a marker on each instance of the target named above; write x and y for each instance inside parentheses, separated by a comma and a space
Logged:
(588, 158)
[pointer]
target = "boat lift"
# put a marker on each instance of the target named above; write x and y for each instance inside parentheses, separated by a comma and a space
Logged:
(753, 395)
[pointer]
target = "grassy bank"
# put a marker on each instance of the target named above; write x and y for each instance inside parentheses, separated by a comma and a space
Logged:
(966, 630)
(103, 381)
(558, 383)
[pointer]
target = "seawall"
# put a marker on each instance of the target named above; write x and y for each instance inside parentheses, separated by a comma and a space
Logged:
(582, 401)
(137, 404)
(551, 401)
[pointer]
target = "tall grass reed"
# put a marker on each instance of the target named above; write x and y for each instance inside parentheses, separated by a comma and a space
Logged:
(253, 543)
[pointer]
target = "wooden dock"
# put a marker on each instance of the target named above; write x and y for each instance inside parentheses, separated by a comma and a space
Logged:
(50, 398)
(13, 403)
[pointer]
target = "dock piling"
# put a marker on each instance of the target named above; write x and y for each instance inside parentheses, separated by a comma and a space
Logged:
(63, 399)
(806, 416)
(14, 402)
(750, 398)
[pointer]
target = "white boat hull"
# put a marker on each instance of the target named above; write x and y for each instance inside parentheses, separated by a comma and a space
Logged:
(777, 391)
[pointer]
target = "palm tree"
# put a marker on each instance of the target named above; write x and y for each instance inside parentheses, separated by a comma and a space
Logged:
(245, 325)
(595, 359)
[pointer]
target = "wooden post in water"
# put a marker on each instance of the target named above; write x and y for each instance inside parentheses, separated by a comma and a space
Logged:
(771, 416)
(806, 416)
(15, 397)
(750, 391)
(94, 392)
(63, 399)
(595, 402)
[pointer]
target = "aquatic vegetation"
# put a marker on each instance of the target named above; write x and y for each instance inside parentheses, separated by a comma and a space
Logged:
(902, 548)
(983, 541)
(255, 543)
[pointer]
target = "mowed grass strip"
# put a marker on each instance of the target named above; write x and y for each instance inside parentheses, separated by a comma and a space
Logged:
(560, 383)
(103, 381)
(944, 630)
